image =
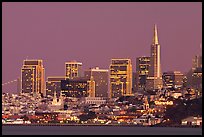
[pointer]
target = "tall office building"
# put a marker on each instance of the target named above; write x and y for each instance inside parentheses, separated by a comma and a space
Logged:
(154, 80)
(77, 87)
(32, 77)
(173, 79)
(100, 76)
(92, 87)
(53, 85)
(142, 72)
(197, 62)
(197, 79)
(73, 69)
(194, 76)
(134, 82)
(120, 78)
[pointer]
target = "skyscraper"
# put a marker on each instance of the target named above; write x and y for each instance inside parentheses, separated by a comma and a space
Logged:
(154, 80)
(197, 62)
(173, 79)
(77, 87)
(73, 69)
(53, 84)
(92, 87)
(194, 76)
(142, 72)
(32, 77)
(134, 82)
(120, 77)
(100, 76)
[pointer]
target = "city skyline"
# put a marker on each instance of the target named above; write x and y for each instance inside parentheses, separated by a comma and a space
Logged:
(99, 38)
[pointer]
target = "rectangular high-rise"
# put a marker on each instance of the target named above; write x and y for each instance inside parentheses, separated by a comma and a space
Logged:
(77, 87)
(32, 77)
(142, 72)
(53, 84)
(73, 69)
(154, 80)
(173, 79)
(197, 62)
(120, 78)
(100, 76)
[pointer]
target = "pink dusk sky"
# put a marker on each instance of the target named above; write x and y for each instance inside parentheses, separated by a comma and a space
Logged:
(93, 33)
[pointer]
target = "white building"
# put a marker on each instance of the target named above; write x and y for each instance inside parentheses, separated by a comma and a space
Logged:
(56, 105)
(94, 100)
(176, 94)
(194, 121)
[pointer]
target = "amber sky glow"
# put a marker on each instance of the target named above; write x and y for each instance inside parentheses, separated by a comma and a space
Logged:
(93, 33)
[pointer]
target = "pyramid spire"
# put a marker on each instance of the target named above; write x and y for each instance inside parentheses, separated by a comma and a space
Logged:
(155, 38)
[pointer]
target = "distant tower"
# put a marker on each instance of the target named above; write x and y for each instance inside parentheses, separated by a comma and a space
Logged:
(196, 62)
(155, 75)
(100, 76)
(142, 72)
(54, 84)
(91, 85)
(173, 79)
(32, 77)
(120, 77)
(73, 69)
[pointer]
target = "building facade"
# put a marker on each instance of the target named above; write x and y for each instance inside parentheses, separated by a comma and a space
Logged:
(32, 77)
(100, 76)
(134, 82)
(73, 69)
(142, 71)
(94, 100)
(197, 79)
(92, 87)
(53, 84)
(173, 79)
(76, 88)
(197, 62)
(194, 76)
(192, 121)
(120, 77)
(56, 104)
(154, 80)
